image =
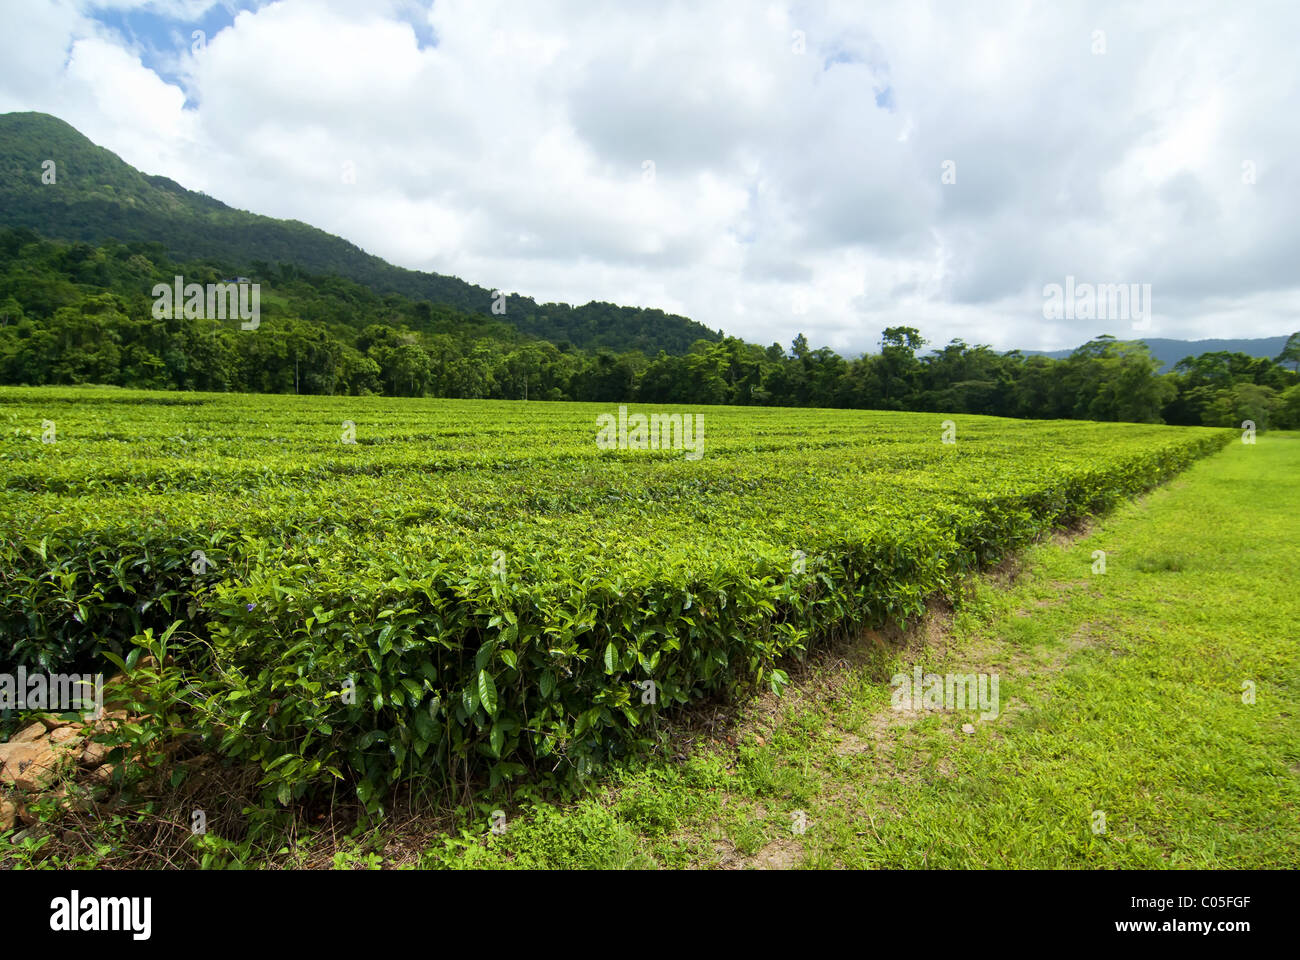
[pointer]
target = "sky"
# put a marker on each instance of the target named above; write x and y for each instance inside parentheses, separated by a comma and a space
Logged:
(764, 168)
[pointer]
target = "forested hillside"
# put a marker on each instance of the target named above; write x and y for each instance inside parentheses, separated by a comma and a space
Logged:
(95, 197)
(1170, 352)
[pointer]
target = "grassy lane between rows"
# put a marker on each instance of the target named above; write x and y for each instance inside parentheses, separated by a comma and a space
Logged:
(1147, 717)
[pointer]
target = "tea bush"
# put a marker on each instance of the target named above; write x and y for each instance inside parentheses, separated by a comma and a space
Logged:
(474, 585)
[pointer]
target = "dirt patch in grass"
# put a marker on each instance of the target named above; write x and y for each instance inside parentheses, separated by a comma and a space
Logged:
(1006, 572)
(1066, 536)
(851, 745)
(778, 855)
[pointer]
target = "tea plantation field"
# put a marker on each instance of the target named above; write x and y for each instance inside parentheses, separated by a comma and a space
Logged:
(375, 589)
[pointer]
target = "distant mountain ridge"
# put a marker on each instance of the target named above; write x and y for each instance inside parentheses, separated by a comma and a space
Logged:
(97, 196)
(1169, 352)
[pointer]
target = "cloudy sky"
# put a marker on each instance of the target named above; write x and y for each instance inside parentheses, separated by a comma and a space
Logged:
(831, 168)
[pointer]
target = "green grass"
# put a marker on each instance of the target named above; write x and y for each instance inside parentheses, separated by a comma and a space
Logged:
(1120, 693)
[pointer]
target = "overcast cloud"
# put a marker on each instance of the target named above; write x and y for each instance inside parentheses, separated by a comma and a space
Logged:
(763, 168)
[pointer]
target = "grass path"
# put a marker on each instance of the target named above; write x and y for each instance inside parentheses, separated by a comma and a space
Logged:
(1120, 694)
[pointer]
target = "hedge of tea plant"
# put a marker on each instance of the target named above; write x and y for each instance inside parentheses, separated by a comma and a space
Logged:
(436, 588)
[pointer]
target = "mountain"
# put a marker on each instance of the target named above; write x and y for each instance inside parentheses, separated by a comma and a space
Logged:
(1169, 352)
(96, 196)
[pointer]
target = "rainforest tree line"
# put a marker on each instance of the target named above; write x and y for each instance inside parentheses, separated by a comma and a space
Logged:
(75, 313)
